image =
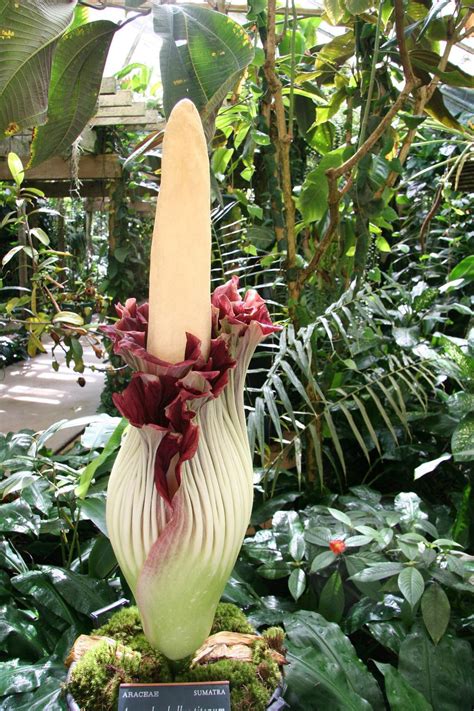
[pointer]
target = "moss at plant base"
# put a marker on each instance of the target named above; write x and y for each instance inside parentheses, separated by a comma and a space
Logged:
(247, 690)
(229, 618)
(96, 678)
(124, 626)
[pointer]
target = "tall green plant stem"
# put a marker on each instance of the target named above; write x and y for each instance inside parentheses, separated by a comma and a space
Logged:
(370, 89)
(284, 139)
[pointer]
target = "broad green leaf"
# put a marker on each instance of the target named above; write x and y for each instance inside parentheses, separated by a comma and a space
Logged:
(49, 696)
(460, 404)
(382, 244)
(19, 637)
(335, 10)
(436, 611)
(401, 696)
(16, 678)
(377, 571)
(68, 317)
(284, 47)
(265, 511)
(463, 270)
(240, 593)
(88, 473)
(30, 31)
(442, 673)
(357, 7)
(437, 108)
(333, 54)
(76, 75)
(322, 560)
(340, 516)
(297, 583)
(315, 681)
(313, 200)
(40, 235)
(93, 509)
(389, 634)
(102, 560)
(356, 541)
(17, 482)
(332, 600)
(462, 441)
(11, 253)
(15, 166)
(203, 56)
(319, 536)
(17, 517)
(335, 653)
(275, 570)
(411, 584)
(262, 237)
(452, 76)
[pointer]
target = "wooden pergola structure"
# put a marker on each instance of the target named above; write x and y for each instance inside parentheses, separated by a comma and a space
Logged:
(96, 174)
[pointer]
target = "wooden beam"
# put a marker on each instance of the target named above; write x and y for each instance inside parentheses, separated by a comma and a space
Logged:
(136, 109)
(151, 118)
(237, 8)
(101, 167)
(65, 188)
(124, 97)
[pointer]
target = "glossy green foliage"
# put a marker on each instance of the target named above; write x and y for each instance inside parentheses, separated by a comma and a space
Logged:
(30, 32)
(204, 54)
(54, 568)
(76, 75)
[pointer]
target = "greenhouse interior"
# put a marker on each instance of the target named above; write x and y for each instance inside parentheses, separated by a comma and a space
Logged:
(237, 249)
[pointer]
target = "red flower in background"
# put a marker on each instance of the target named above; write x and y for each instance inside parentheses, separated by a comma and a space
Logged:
(337, 546)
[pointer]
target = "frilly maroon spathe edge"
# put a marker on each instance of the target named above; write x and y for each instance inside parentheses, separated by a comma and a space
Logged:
(165, 396)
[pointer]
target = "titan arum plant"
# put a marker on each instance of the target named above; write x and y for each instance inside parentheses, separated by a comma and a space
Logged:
(180, 493)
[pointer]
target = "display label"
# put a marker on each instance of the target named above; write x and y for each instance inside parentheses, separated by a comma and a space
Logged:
(207, 696)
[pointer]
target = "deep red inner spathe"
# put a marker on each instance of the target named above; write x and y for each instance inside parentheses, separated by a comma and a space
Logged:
(165, 396)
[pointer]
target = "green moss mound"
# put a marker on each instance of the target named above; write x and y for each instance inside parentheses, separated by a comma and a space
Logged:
(229, 618)
(96, 678)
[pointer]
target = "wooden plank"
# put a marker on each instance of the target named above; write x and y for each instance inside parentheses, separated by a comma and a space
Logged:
(64, 188)
(101, 167)
(108, 85)
(136, 109)
(123, 97)
(231, 8)
(151, 118)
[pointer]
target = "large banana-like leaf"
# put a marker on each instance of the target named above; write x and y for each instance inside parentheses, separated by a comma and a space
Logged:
(204, 54)
(75, 83)
(29, 31)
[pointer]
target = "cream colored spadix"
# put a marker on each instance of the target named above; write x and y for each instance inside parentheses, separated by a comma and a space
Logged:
(180, 265)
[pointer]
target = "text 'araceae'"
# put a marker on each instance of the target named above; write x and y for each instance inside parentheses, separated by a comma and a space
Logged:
(180, 492)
